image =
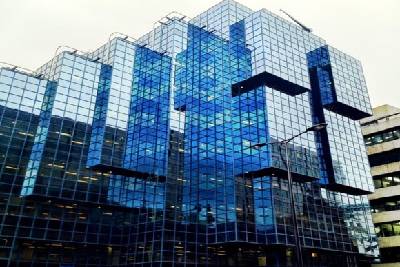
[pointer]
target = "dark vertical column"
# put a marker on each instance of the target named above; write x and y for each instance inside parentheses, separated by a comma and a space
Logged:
(40, 139)
(99, 119)
(148, 124)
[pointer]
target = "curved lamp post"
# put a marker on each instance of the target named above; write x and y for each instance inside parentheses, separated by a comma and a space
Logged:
(314, 128)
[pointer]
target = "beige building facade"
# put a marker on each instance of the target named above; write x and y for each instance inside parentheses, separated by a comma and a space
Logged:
(382, 138)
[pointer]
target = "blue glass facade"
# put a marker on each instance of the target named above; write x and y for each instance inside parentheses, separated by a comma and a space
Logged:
(140, 153)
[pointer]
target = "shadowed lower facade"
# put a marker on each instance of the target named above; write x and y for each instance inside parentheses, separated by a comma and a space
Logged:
(140, 153)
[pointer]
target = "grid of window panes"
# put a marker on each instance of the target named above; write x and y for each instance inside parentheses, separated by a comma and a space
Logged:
(25, 219)
(302, 150)
(178, 240)
(40, 139)
(350, 85)
(348, 152)
(260, 116)
(62, 175)
(21, 95)
(112, 103)
(278, 107)
(100, 113)
(209, 166)
(358, 219)
(219, 18)
(250, 126)
(341, 81)
(274, 222)
(20, 91)
(326, 92)
(279, 47)
(147, 132)
(164, 104)
(73, 100)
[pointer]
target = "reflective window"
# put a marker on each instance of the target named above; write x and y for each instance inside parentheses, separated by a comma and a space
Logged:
(382, 137)
(385, 205)
(388, 229)
(386, 181)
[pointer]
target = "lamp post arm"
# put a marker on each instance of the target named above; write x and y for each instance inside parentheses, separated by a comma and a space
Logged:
(314, 128)
(282, 142)
(294, 136)
(292, 201)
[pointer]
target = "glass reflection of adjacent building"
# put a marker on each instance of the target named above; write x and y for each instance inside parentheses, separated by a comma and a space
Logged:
(139, 153)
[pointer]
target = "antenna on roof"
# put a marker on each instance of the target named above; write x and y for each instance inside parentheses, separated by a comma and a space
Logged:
(296, 21)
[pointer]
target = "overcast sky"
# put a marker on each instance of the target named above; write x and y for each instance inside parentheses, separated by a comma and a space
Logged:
(31, 30)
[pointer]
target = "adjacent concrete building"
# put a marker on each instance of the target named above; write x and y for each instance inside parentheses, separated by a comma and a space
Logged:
(382, 138)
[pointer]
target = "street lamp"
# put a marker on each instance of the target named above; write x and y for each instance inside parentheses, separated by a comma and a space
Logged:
(314, 128)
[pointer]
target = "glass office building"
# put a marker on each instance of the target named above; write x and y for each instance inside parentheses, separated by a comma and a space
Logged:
(140, 152)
